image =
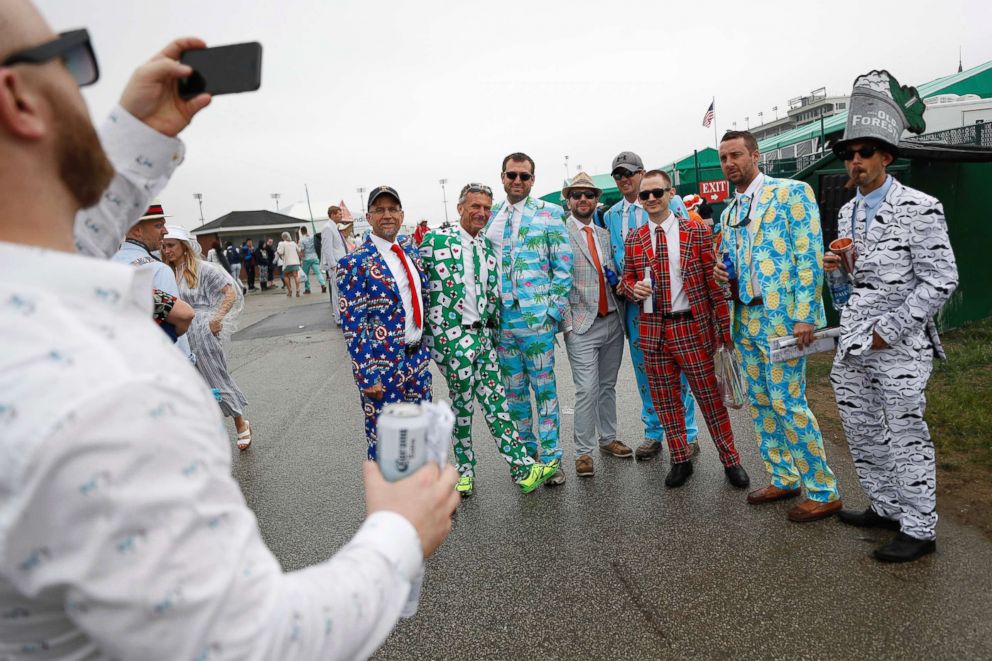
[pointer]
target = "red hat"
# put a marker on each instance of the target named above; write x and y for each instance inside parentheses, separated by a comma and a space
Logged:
(692, 201)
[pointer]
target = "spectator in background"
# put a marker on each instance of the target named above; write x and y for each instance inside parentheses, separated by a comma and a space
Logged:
(420, 232)
(289, 253)
(234, 259)
(266, 263)
(335, 246)
(217, 256)
(692, 203)
(311, 260)
(249, 260)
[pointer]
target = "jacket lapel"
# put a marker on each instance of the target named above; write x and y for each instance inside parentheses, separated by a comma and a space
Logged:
(762, 207)
(578, 237)
(389, 283)
(885, 210)
(684, 248)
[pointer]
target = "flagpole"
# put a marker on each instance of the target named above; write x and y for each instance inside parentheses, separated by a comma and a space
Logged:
(716, 145)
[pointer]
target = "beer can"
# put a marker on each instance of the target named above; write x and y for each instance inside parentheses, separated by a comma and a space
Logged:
(401, 445)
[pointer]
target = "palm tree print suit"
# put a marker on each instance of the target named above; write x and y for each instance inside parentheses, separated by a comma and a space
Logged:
(536, 276)
(787, 253)
(467, 356)
(904, 273)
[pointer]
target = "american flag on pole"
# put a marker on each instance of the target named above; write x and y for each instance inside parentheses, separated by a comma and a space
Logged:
(710, 115)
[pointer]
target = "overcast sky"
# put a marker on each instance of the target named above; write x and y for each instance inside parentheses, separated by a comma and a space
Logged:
(360, 93)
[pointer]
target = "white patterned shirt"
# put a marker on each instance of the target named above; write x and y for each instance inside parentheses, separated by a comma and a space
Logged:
(122, 533)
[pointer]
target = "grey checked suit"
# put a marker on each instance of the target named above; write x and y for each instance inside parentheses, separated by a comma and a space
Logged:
(594, 344)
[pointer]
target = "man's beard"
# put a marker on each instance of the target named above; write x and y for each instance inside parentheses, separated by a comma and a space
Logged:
(584, 217)
(83, 166)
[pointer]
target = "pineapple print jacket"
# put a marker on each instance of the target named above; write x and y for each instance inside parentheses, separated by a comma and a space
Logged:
(904, 272)
(441, 251)
(541, 273)
(787, 253)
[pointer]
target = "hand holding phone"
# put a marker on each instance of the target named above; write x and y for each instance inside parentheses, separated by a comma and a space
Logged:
(222, 70)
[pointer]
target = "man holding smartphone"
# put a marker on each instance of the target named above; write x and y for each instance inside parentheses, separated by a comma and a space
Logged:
(177, 555)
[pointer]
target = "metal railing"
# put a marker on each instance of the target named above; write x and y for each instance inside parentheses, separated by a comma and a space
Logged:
(787, 167)
(975, 134)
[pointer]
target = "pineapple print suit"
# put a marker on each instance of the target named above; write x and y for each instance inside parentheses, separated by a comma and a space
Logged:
(535, 278)
(783, 242)
(465, 355)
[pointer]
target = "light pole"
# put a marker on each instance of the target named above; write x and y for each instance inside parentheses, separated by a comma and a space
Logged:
(361, 197)
(199, 198)
(276, 196)
(444, 198)
(566, 168)
(747, 123)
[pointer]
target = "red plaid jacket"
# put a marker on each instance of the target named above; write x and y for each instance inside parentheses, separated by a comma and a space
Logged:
(709, 309)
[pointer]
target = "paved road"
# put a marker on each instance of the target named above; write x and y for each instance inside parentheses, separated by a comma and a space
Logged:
(613, 567)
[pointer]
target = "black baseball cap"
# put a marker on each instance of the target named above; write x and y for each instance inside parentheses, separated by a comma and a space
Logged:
(627, 160)
(383, 190)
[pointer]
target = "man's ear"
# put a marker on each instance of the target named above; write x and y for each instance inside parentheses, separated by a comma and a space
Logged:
(887, 159)
(20, 107)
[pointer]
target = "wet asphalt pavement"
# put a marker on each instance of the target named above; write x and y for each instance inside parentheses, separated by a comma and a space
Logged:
(610, 567)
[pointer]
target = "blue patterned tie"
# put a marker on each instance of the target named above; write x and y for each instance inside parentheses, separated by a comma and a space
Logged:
(744, 254)
(506, 288)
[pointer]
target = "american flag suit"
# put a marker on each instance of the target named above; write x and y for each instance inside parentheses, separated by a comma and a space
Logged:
(685, 344)
(373, 321)
(904, 273)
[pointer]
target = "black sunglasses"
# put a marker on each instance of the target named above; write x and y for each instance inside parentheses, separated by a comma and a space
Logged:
(623, 174)
(73, 48)
(579, 194)
(656, 192)
(512, 176)
(866, 151)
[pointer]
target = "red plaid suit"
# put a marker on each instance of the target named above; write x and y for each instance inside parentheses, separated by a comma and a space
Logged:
(686, 343)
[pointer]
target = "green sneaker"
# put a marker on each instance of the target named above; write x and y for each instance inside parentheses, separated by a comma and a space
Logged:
(538, 475)
(465, 486)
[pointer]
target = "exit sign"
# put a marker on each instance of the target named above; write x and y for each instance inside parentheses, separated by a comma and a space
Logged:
(714, 191)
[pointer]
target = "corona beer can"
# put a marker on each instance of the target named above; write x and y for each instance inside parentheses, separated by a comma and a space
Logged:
(401, 445)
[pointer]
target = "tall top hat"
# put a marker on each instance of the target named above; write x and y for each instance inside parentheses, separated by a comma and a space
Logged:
(881, 110)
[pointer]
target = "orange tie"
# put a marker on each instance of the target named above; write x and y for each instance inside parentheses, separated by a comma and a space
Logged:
(604, 307)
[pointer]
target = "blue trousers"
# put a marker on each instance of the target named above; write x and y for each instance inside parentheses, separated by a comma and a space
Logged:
(527, 357)
(411, 382)
(653, 430)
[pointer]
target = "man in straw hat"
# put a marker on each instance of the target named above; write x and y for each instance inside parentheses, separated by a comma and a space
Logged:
(771, 231)
(593, 328)
(903, 273)
(626, 215)
(686, 322)
(144, 238)
(462, 331)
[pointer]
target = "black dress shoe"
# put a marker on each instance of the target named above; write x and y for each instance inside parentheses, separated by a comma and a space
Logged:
(679, 473)
(737, 476)
(867, 519)
(905, 549)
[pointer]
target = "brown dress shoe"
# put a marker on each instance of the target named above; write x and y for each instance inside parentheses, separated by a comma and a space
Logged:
(648, 449)
(770, 494)
(583, 466)
(812, 510)
(616, 448)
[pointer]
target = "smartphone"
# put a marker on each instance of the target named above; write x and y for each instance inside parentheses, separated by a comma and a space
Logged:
(222, 70)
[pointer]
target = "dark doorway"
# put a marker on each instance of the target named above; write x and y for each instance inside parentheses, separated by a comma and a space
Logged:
(833, 196)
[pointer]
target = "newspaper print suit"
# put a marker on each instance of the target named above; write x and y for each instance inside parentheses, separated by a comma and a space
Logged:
(905, 272)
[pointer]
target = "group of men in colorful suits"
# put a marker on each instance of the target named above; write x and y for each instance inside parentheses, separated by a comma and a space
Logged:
(500, 286)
